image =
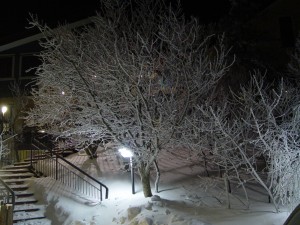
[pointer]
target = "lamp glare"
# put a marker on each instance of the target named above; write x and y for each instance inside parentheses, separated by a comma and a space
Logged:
(4, 109)
(125, 152)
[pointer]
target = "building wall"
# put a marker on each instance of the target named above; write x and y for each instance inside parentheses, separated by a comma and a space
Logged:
(14, 65)
(275, 30)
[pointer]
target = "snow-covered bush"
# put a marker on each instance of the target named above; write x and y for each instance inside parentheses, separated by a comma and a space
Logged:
(259, 122)
(275, 122)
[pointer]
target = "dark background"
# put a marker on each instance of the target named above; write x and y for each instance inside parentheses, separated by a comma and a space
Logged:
(15, 15)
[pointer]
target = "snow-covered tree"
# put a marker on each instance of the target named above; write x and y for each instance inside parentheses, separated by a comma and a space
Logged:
(127, 77)
(3, 148)
(261, 121)
(275, 121)
(220, 137)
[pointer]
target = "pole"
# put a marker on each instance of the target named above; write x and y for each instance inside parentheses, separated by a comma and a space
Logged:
(2, 124)
(132, 175)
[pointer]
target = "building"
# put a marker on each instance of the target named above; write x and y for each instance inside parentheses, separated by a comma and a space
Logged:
(273, 31)
(18, 60)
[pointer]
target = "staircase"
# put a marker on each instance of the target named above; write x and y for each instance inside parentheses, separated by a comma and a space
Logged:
(26, 209)
(38, 163)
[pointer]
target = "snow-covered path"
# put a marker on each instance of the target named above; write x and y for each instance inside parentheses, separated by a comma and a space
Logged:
(183, 198)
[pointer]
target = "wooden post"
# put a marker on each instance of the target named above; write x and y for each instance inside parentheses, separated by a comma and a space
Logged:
(2, 214)
(9, 215)
(6, 214)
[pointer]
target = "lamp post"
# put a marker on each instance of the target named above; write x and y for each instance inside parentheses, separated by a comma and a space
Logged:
(126, 153)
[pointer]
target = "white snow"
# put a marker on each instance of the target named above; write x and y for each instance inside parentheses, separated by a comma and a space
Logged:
(183, 199)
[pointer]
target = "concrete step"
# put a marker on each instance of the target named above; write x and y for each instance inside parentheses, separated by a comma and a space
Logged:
(37, 157)
(15, 175)
(24, 163)
(23, 216)
(19, 187)
(26, 166)
(17, 181)
(25, 200)
(26, 211)
(27, 208)
(43, 221)
(24, 193)
(14, 170)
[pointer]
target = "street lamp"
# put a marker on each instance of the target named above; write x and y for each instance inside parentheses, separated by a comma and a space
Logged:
(3, 127)
(3, 110)
(126, 153)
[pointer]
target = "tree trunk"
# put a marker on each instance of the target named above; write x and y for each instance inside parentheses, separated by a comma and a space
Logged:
(145, 178)
(228, 189)
(157, 176)
(205, 164)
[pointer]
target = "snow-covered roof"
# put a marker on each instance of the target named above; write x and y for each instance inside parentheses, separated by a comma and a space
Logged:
(38, 36)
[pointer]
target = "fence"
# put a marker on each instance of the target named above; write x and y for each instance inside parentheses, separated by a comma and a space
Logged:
(7, 202)
(53, 165)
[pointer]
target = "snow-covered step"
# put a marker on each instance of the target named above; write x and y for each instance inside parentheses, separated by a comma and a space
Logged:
(23, 216)
(24, 193)
(25, 166)
(24, 163)
(14, 170)
(37, 157)
(15, 175)
(27, 207)
(25, 200)
(19, 187)
(34, 222)
(26, 211)
(17, 181)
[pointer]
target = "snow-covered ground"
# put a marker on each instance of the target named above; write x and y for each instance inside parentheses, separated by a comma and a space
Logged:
(183, 199)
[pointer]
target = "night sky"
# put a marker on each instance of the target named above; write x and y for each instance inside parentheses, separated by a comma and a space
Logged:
(14, 16)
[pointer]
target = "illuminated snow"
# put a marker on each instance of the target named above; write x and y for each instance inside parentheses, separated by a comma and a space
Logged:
(182, 200)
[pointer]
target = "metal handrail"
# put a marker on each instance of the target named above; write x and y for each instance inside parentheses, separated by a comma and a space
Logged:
(7, 195)
(84, 173)
(68, 177)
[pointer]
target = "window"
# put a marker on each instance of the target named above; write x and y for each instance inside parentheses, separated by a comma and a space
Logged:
(28, 64)
(6, 67)
(286, 31)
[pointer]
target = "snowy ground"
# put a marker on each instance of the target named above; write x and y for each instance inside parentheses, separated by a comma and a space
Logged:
(182, 199)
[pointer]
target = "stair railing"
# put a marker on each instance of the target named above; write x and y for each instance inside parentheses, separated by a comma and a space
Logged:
(7, 195)
(57, 167)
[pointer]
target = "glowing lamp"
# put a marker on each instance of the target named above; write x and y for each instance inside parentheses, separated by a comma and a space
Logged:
(125, 152)
(4, 109)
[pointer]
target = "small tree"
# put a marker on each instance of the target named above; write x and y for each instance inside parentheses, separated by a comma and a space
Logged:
(219, 137)
(3, 148)
(129, 77)
(275, 121)
(262, 120)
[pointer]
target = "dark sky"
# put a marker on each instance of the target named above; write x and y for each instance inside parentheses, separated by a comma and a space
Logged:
(14, 16)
